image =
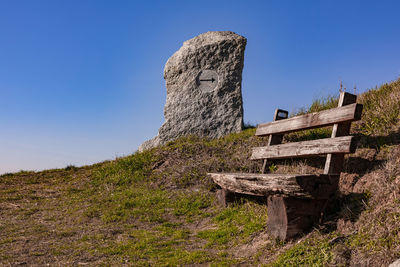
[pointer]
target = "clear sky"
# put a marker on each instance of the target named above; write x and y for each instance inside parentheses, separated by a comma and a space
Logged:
(82, 81)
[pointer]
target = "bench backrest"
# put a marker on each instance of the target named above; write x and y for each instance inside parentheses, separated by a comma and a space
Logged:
(334, 147)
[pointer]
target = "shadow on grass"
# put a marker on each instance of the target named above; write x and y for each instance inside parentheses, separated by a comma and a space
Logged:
(377, 142)
(361, 166)
(343, 206)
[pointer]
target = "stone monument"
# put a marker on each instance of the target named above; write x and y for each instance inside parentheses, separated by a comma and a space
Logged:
(203, 80)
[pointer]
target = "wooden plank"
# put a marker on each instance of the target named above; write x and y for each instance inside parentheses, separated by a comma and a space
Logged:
(275, 139)
(346, 113)
(343, 144)
(299, 185)
(334, 162)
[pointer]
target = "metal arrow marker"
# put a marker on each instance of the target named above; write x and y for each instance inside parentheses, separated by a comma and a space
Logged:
(207, 80)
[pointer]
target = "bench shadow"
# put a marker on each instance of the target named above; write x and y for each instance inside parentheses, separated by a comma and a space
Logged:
(353, 165)
(360, 166)
(377, 142)
(343, 206)
(240, 198)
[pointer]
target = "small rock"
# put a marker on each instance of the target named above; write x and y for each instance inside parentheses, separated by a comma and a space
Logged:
(395, 263)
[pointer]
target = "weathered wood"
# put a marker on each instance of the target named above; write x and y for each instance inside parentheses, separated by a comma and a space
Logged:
(295, 201)
(275, 139)
(323, 118)
(334, 162)
(344, 144)
(289, 217)
(299, 185)
(224, 196)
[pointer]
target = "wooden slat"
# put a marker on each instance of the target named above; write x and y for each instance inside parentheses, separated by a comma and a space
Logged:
(299, 185)
(343, 144)
(275, 139)
(334, 162)
(312, 120)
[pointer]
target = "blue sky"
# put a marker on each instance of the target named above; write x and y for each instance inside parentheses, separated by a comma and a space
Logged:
(82, 81)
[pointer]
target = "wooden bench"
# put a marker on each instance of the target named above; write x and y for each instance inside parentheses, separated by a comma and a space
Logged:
(295, 201)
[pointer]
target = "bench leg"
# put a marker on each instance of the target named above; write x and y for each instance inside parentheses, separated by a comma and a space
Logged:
(224, 196)
(289, 216)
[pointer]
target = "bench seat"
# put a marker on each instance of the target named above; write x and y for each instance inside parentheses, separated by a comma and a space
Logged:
(315, 186)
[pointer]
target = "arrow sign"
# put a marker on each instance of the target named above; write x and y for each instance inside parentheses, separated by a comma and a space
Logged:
(208, 80)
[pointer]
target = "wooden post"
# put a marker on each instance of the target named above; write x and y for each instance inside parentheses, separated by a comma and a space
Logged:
(334, 162)
(224, 196)
(275, 139)
(289, 216)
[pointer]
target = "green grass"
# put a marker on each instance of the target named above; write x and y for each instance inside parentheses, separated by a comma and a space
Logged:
(319, 104)
(236, 223)
(162, 247)
(381, 113)
(315, 251)
(158, 207)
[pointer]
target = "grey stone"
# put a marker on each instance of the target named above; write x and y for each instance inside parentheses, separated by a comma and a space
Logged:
(155, 141)
(203, 80)
(395, 263)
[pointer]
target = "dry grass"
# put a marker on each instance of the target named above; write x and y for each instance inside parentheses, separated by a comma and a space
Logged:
(158, 207)
(381, 114)
(376, 235)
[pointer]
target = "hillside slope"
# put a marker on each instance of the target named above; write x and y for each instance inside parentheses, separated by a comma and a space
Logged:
(158, 207)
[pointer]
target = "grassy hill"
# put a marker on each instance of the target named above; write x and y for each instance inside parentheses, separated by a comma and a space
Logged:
(159, 208)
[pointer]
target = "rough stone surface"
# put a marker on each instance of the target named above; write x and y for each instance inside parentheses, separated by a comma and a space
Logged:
(203, 80)
(395, 264)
